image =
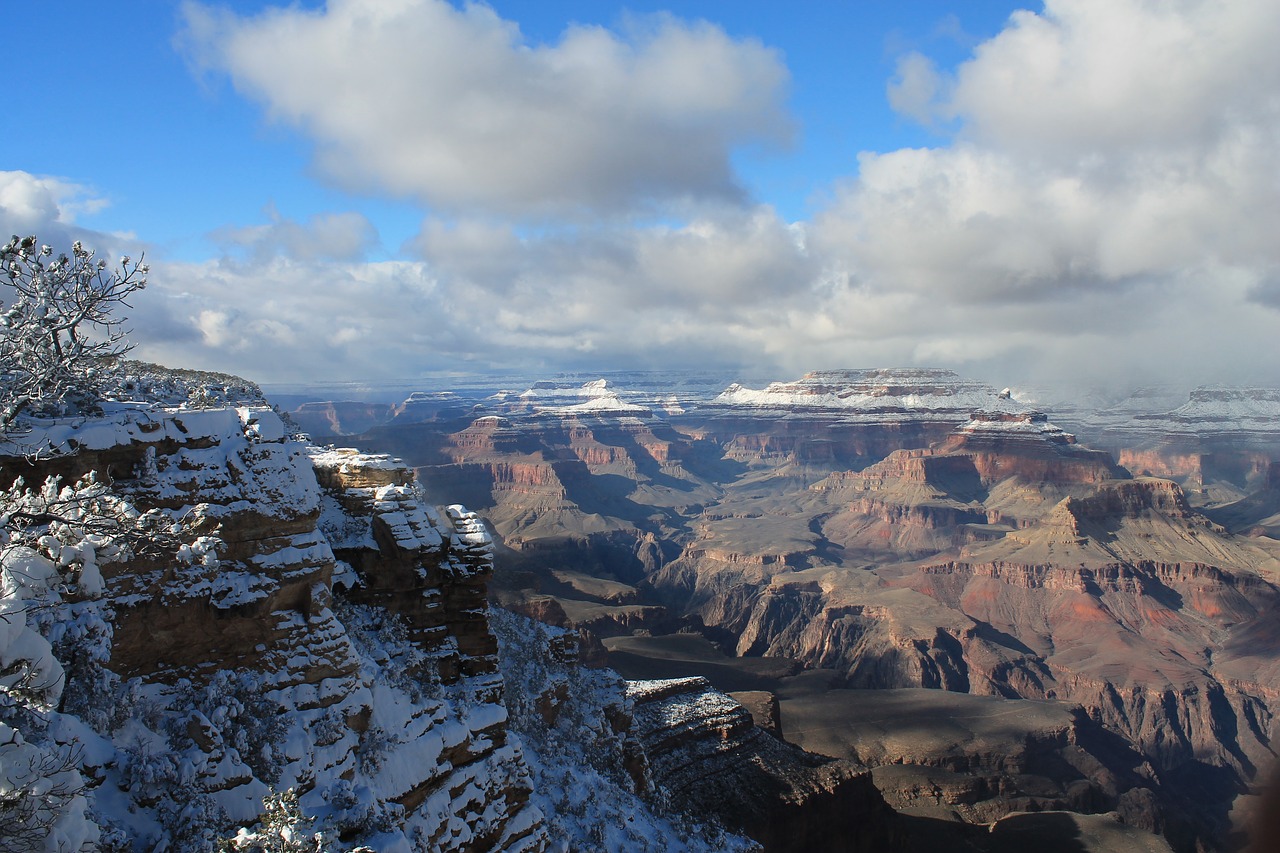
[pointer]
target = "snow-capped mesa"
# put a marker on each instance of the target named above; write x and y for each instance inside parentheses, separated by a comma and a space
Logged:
(874, 395)
(1219, 409)
(594, 398)
(1028, 423)
(1210, 413)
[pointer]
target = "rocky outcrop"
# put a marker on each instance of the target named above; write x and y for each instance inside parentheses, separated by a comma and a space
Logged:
(372, 671)
(704, 749)
(943, 754)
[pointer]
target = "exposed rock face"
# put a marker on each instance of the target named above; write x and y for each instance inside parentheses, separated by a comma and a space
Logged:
(418, 721)
(340, 417)
(943, 754)
(1218, 444)
(910, 529)
(706, 751)
(1126, 601)
(682, 747)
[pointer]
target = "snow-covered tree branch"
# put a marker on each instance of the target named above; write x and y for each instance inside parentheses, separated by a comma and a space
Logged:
(53, 540)
(59, 325)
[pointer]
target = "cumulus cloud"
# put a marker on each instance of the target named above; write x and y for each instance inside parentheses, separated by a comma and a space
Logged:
(335, 236)
(287, 320)
(47, 207)
(1133, 75)
(455, 107)
(1105, 210)
(659, 292)
(915, 87)
(1111, 188)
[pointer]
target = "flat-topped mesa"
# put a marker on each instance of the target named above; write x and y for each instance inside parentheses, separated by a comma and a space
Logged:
(871, 396)
(842, 419)
(428, 406)
(558, 399)
(1026, 444)
(340, 417)
(997, 426)
(1220, 434)
(1222, 411)
(1133, 499)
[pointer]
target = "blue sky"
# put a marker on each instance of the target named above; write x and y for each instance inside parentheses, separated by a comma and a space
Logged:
(179, 154)
(1074, 190)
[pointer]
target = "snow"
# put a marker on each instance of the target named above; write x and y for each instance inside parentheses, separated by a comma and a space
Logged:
(579, 779)
(1029, 425)
(596, 399)
(261, 424)
(872, 396)
(348, 460)
(178, 766)
(469, 530)
(1245, 414)
(411, 525)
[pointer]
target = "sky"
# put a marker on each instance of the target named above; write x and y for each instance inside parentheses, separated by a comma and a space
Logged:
(1080, 191)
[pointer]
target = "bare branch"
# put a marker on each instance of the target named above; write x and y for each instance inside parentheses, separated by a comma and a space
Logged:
(60, 327)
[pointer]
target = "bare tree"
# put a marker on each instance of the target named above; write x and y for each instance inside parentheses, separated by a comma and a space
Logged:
(60, 326)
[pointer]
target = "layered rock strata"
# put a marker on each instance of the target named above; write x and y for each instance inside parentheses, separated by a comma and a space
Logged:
(705, 750)
(910, 529)
(372, 677)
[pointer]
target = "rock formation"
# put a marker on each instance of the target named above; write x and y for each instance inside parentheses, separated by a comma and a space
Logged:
(910, 529)
(378, 704)
(322, 648)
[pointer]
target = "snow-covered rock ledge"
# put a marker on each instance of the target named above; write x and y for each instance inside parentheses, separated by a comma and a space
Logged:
(197, 681)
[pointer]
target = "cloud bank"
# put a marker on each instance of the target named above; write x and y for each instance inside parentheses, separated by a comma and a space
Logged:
(1103, 208)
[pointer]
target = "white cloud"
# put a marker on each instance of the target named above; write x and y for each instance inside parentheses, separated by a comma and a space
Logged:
(335, 236)
(455, 107)
(47, 207)
(915, 87)
(1107, 207)
(1111, 194)
(283, 319)
(1131, 75)
(665, 292)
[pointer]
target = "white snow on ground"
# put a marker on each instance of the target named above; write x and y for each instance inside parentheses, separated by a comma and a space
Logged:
(577, 757)
(1225, 408)
(177, 767)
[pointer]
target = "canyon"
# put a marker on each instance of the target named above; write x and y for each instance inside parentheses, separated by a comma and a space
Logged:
(1102, 608)
(293, 649)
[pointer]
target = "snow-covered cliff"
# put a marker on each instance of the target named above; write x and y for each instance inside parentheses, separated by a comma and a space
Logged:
(358, 695)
